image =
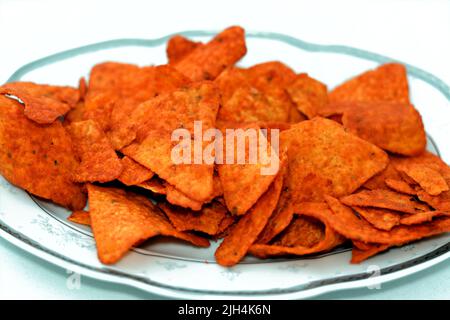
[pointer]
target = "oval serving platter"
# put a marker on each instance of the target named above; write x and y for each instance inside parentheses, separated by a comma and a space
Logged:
(176, 270)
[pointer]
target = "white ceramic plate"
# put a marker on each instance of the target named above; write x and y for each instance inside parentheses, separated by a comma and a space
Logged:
(178, 270)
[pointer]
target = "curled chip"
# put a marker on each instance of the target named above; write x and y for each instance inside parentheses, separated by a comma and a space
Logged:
(244, 183)
(208, 220)
(421, 217)
(350, 226)
(369, 250)
(43, 103)
(38, 158)
(155, 185)
(384, 199)
(133, 173)
(388, 82)
(382, 219)
(206, 62)
(99, 161)
(236, 244)
(121, 220)
(308, 94)
(308, 235)
(400, 186)
(80, 217)
(394, 127)
(178, 47)
(322, 147)
(154, 146)
(429, 179)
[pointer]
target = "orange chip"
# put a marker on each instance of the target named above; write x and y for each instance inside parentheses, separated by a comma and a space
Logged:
(155, 185)
(243, 184)
(81, 217)
(154, 146)
(206, 62)
(388, 82)
(379, 180)
(382, 219)
(133, 173)
(82, 88)
(350, 226)
(236, 244)
(179, 47)
(430, 180)
(400, 186)
(208, 220)
(314, 235)
(43, 103)
(121, 220)
(265, 76)
(359, 255)
(38, 158)
(384, 199)
(422, 217)
(99, 161)
(178, 198)
(308, 94)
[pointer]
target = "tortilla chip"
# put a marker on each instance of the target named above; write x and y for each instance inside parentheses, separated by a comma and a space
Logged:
(206, 62)
(340, 160)
(121, 220)
(133, 173)
(208, 220)
(359, 255)
(155, 185)
(82, 88)
(379, 180)
(178, 198)
(80, 217)
(430, 180)
(384, 199)
(243, 184)
(99, 161)
(236, 244)
(38, 158)
(400, 186)
(306, 237)
(387, 82)
(43, 103)
(153, 147)
(422, 217)
(179, 47)
(308, 94)
(267, 75)
(350, 226)
(382, 219)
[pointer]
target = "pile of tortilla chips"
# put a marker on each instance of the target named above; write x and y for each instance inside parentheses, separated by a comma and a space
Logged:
(352, 165)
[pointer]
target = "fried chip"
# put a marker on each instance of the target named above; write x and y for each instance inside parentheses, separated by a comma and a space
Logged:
(340, 160)
(400, 186)
(384, 199)
(308, 94)
(236, 244)
(359, 255)
(153, 148)
(176, 197)
(244, 183)
(309, 239)
(422, 217)
(387, 82)
(208, 220)
(206, 62)
(268, 75)
(38, 158)
(155, 185)
(379, 180)
(121, 220)
(179, 47)
(43, 103)
(133, 173)
(430, 180)
(80, 217)
(99, 161)
(382, 219)
(350, 226)
(394, 127)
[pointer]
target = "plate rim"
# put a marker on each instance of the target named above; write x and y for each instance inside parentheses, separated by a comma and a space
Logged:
(26, 244)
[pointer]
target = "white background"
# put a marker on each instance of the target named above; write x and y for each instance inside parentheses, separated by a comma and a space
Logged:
(416, 32)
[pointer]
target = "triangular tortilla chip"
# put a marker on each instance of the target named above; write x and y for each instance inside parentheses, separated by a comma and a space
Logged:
(133, 173)
(99, 161)
(178, 47)
(80, 217)
(43, 103)
(38, 158)
(382, 219)
(388, 82)
(121, 220)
